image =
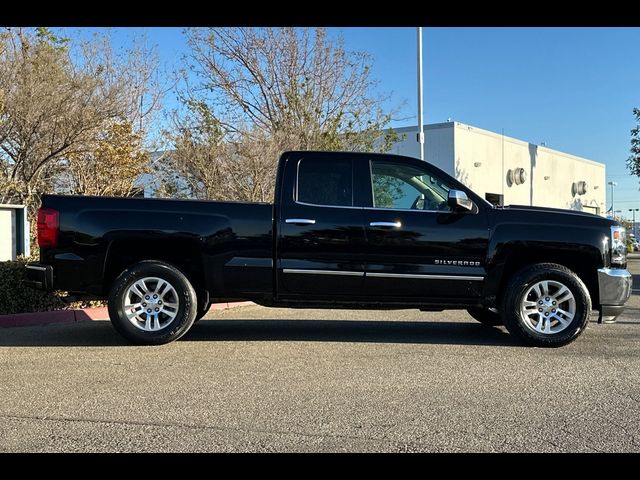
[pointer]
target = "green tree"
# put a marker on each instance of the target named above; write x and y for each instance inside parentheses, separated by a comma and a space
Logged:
(633, 162)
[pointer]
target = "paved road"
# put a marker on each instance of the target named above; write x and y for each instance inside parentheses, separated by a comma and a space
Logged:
(255, 379)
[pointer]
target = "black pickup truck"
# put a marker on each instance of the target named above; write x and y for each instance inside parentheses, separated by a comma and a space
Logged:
(347, 230)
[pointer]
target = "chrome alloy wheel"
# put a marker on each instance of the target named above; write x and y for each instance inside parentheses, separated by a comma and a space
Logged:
(548, 307)
(151, 303)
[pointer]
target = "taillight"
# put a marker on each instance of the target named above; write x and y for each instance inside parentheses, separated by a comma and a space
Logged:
(48, 227)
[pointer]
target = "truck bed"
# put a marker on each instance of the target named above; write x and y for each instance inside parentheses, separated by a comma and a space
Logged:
(221, 238)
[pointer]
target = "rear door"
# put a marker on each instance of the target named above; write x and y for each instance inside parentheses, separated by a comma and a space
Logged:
(321, 239)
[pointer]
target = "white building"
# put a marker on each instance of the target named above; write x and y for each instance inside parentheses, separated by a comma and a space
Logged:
(14, 232)
(506, 170)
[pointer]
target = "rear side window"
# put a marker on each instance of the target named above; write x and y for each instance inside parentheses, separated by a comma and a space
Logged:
(325, 182)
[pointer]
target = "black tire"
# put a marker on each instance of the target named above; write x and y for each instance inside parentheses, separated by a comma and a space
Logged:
(202, 307)
(186, 301)
(485, 316)
(522, 282)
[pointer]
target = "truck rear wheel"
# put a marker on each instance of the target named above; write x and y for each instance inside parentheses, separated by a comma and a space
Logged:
(485, 316)
(546, 305)
(152, 303)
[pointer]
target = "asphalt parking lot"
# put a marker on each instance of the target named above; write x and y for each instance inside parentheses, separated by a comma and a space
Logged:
(257, 379)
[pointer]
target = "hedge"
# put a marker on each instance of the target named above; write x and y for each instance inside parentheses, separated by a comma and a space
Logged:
(18, 298)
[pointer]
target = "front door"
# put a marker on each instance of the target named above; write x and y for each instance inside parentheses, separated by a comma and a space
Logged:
(417, 248)
(321, 239)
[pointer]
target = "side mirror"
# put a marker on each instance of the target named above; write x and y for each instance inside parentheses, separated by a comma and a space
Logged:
(459, 202)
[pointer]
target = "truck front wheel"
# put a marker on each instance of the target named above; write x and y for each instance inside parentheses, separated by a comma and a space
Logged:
(152, 303)
(546, 305)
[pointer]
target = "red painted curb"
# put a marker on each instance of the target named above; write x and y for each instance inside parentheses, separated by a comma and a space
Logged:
(224, 306)
(71, 316)
(97, 313)
(39, 318)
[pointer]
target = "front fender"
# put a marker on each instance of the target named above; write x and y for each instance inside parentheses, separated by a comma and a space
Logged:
(512, 246)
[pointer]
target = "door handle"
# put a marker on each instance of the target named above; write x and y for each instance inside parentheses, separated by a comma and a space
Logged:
(300, 221)
(386, 224)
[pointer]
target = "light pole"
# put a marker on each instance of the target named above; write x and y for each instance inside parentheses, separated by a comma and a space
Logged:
(420, 128)
(634, 210)
(613, 184)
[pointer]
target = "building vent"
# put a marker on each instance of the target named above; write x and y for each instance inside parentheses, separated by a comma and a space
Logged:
(579, 188)
(516, 176)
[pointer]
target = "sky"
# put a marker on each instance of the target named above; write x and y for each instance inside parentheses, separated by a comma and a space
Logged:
(572, 88)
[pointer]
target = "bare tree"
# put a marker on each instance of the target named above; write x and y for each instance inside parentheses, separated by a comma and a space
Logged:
(198, 157)
(57, 99)
(267, 90)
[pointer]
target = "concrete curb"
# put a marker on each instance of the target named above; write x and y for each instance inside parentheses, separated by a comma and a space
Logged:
(71, 316)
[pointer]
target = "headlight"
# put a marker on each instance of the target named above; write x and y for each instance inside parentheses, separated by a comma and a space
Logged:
(618, 245)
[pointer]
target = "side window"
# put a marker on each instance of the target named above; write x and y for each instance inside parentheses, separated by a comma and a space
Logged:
(325, 182)
(405, 187)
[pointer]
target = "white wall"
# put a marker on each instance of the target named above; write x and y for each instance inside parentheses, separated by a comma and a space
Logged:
(480, 165)
(481, 160)
(7, 235)
(554, 176)
(439, 145)
(550, 174)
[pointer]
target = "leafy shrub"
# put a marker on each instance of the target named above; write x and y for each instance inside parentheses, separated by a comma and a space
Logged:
(15, 297)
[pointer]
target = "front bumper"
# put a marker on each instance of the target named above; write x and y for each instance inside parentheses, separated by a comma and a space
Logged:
(39, 276)
(615, 289)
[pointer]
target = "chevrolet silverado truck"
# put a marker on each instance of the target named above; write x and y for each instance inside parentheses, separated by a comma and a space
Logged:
(346, 230)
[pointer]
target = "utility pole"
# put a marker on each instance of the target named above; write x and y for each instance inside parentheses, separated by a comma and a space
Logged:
(613, 212)
(634, 210)
(420, 126)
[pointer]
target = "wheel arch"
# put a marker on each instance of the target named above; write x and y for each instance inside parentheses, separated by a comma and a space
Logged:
(184, 255)
(583, 261)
